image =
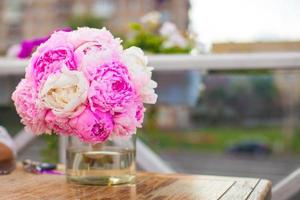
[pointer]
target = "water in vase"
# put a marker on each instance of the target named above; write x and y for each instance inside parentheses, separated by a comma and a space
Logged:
(106, 166)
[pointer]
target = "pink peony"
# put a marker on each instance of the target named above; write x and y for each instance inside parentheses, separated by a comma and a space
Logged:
(93, 54)
(50, 57)
(58, 125)
(139, 114)
(56, 40)
(100, 36)
(126, 123)
(98, 47)
(111, 89)
(92, 126)
(25, 98)
(51, 62)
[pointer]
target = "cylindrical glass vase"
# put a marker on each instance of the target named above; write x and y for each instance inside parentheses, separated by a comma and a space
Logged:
(108, 163)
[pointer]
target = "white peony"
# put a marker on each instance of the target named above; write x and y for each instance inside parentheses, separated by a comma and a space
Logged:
(136, 62)
(63, 93)
(172, 35)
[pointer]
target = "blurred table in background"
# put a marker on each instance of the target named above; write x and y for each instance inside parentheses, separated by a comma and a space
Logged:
(22, 185)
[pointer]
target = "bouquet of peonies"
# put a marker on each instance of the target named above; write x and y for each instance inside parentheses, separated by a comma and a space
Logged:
(83, 83)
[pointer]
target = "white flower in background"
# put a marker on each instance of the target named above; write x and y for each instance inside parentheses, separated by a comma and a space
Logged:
(167, 29)
(175, 40)
(136, 62)
(65, 92)
(172, 35)
(152, 18)
(13, 51)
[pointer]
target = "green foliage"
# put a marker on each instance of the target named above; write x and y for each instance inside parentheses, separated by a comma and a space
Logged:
(10, 119)
(85, 20)
(146, 41)
(150, 41)
(294, 144)
(136, 26)
(218, 138)
(175, 50)
(50, 151)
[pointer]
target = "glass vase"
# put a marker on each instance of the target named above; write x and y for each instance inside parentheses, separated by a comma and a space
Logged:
(108, 163)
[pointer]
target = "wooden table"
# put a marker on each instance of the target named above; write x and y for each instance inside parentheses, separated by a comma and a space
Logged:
(22, 185)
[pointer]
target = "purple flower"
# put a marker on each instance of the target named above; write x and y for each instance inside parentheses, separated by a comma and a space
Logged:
(27, 47)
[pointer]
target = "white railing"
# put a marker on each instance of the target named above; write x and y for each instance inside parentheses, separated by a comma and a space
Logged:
(198, 62)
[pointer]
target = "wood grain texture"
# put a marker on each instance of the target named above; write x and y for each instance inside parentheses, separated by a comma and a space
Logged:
(259, 192)
(241, 189)
(152, 186)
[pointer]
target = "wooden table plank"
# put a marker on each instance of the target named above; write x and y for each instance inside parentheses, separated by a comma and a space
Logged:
(241, 189)
(152, 186)
(260, 192)
(184, 189)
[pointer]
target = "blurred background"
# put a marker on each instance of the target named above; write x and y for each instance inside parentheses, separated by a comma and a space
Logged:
(234, 121)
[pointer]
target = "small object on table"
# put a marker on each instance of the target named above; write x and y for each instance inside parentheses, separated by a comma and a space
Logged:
(7, 153)
(40, 167)
(7, 166)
